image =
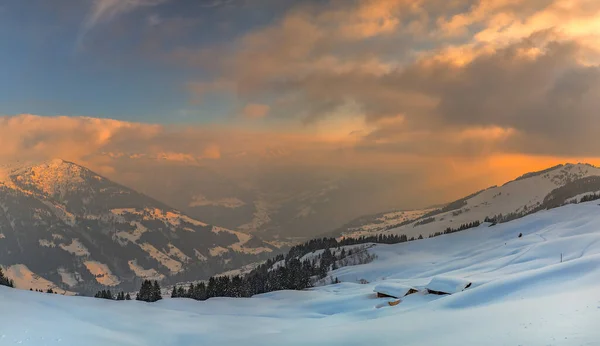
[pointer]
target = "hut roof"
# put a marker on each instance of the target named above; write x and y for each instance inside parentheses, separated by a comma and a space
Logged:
(448, 284)
(393, 289)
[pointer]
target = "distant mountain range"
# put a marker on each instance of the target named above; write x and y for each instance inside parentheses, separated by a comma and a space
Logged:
(64, 225)
(529, 193)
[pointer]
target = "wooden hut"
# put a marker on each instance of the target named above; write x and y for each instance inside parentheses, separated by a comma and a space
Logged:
(393, 290)
(443, 285)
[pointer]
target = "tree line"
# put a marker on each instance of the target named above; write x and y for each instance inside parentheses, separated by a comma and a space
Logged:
(292, 271)
(279, 273)
(454, 230)
(107, 294)
(149, 292)
(328, 243)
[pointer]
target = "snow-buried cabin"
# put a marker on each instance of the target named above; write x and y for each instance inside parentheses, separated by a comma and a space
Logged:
(393, 290)
(442, 285)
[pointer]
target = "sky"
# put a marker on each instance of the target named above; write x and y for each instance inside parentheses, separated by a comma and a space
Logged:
(433, 98)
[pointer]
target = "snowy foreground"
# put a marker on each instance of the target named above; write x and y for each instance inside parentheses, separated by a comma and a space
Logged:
(521, 295)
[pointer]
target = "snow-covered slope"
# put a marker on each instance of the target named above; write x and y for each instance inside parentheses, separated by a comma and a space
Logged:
(512, 199)
(63, 223)
(521, 294)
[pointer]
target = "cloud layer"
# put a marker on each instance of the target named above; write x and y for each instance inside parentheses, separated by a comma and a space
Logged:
(427, 75)
(399, 96)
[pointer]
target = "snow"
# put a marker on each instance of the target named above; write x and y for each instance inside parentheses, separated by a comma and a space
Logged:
(134, 236)
(243, 238)
(173, 265)
(69, 279)
(60, 212)
(243, 270)
(175, 252)
(149, 274)
(392, 289)
(227, 202)
(521, 294)
(261, 216)
(102, 273)
(199, 255)
(175, 219)
(53, 177)
(447, 284)
(123, 211)
(26, 279)
(577, 198)
(46, 243)
(217, 251)
(386, 221)
(514, 196)
(75, 248)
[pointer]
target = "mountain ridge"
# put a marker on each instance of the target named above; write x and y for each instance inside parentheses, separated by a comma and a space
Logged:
(530, 190)
(68, 225)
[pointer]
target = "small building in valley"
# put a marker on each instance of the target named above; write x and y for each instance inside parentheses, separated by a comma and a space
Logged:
(442, 285)
(393, 290)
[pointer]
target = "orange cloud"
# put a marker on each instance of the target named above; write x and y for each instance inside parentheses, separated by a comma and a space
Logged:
(450, 161)
(256, 111)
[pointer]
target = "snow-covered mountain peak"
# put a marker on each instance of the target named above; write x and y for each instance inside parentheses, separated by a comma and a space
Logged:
(52, 177)
(561, 174)
(515, 198)
(67, 224)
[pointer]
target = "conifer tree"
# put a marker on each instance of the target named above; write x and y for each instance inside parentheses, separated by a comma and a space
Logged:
(145, 292)
(4, 281)
(174, 292)
(127, 297)
(156, 294)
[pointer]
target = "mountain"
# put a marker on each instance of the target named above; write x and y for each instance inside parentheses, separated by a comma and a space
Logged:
(280, 204)
(63, 224)
(528, 193)
(538, 289)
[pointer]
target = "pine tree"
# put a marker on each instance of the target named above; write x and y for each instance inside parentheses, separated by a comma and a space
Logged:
(201, 291)
(156, 294)
(4, 281)
(174, 292)
(127, 297)
(145, 292)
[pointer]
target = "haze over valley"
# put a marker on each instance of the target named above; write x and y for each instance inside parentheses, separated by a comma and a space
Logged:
(285, 172)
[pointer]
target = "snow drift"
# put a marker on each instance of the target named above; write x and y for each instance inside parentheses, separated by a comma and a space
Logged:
(447, 285)
(521, 294)
(393, 289)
